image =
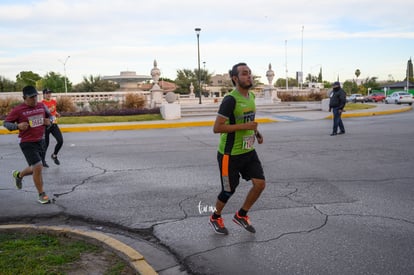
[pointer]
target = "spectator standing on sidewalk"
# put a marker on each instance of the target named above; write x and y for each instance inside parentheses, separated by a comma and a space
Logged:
(236, 154)
(53, 129)
(337, 104)
(30, 119)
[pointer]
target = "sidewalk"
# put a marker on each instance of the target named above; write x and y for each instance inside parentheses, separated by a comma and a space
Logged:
(261, 117)
(380, 109)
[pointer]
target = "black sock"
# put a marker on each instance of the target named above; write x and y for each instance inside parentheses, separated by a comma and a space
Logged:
(242, 212)
(216, 216)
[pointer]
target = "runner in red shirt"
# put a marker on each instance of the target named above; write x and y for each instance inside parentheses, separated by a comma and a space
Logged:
(30, 119)
(50, 103)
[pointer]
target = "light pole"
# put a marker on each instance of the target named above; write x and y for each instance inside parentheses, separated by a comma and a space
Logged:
(197, 30)
(64, 71)
(204, 76)
(301, 63)
(287, 83)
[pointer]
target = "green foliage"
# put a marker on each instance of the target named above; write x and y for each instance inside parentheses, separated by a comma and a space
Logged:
(186, 76)
(184, 79)
(357, 73)
(95, 84)
(25, 78)
(55, 82)
(108, 119)
(105, 105)
(350, 87)
(371, 82)
(38, 253)
(281, 82)
(409, 72)
(7, 85)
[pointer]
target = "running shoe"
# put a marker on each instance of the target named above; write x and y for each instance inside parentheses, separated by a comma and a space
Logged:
(18, 181)
(43, 198)
(244, 222)
(218, 225)
(55, 159)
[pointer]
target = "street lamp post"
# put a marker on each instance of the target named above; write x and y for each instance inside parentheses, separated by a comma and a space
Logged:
(204, 77)
(301, 64)
(197, 30)
(64, 71)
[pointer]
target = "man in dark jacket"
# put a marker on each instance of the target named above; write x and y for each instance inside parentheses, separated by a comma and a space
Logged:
(337, 104)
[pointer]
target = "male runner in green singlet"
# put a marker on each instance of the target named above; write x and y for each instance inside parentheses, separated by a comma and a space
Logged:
(236, 154)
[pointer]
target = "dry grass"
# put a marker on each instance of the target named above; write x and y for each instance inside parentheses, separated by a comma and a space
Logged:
(65, 104)
(8, 103)
(134, 101)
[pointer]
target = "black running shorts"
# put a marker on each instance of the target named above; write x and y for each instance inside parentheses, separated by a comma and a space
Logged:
(231, 167)
(32, 151)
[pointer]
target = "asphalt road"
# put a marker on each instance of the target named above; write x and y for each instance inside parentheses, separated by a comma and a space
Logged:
(332, 205)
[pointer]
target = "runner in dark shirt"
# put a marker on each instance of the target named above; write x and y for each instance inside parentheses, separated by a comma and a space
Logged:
(30, 119)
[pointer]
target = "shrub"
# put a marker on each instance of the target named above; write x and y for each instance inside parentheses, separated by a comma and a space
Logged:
(134, 101)
(65, 104)
(120, 112)
(302, 97)
(8, 103)
(104, 106)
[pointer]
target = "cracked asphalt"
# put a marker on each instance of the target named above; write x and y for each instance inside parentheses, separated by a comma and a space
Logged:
(332, 205)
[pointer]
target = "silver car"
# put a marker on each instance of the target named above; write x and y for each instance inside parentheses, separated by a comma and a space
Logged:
(399, 98)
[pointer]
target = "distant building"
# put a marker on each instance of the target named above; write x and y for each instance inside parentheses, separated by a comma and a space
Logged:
(399, 86)
(219, 80)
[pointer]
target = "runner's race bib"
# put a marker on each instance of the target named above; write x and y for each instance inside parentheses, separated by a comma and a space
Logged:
(248, 142)
(36, 121)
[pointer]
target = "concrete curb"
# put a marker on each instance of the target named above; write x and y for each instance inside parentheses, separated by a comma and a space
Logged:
(372, 113)
(134, 126)
(127, 253)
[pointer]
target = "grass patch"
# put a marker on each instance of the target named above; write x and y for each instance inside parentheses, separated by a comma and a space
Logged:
(44, 254)
(358, 106)
(108, 119)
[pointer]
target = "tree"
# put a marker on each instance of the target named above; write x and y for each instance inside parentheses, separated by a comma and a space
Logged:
(320, 79)
(25, 78)
(7, 85)
(350, 87)
(357, 73)
(95, 84)
(184, 79)
(55, 82)
(370, 82)
(409, 71)
(186, 76)
(281, 82)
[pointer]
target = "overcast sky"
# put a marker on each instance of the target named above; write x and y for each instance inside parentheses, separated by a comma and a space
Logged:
(107, 37)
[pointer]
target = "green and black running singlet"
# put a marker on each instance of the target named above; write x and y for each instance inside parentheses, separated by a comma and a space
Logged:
(237, 109)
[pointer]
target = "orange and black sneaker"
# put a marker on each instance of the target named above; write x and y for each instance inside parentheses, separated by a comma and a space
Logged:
(244, 222)
(218, 225)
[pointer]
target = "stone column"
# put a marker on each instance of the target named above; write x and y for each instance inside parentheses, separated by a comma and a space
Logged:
(270, 93)
(156, 92)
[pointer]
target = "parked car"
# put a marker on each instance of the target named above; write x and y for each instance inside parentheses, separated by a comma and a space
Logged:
(356, 98)
(375, 98)
(399, 98)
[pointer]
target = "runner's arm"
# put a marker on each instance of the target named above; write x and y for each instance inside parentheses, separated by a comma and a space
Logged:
(11, 126)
